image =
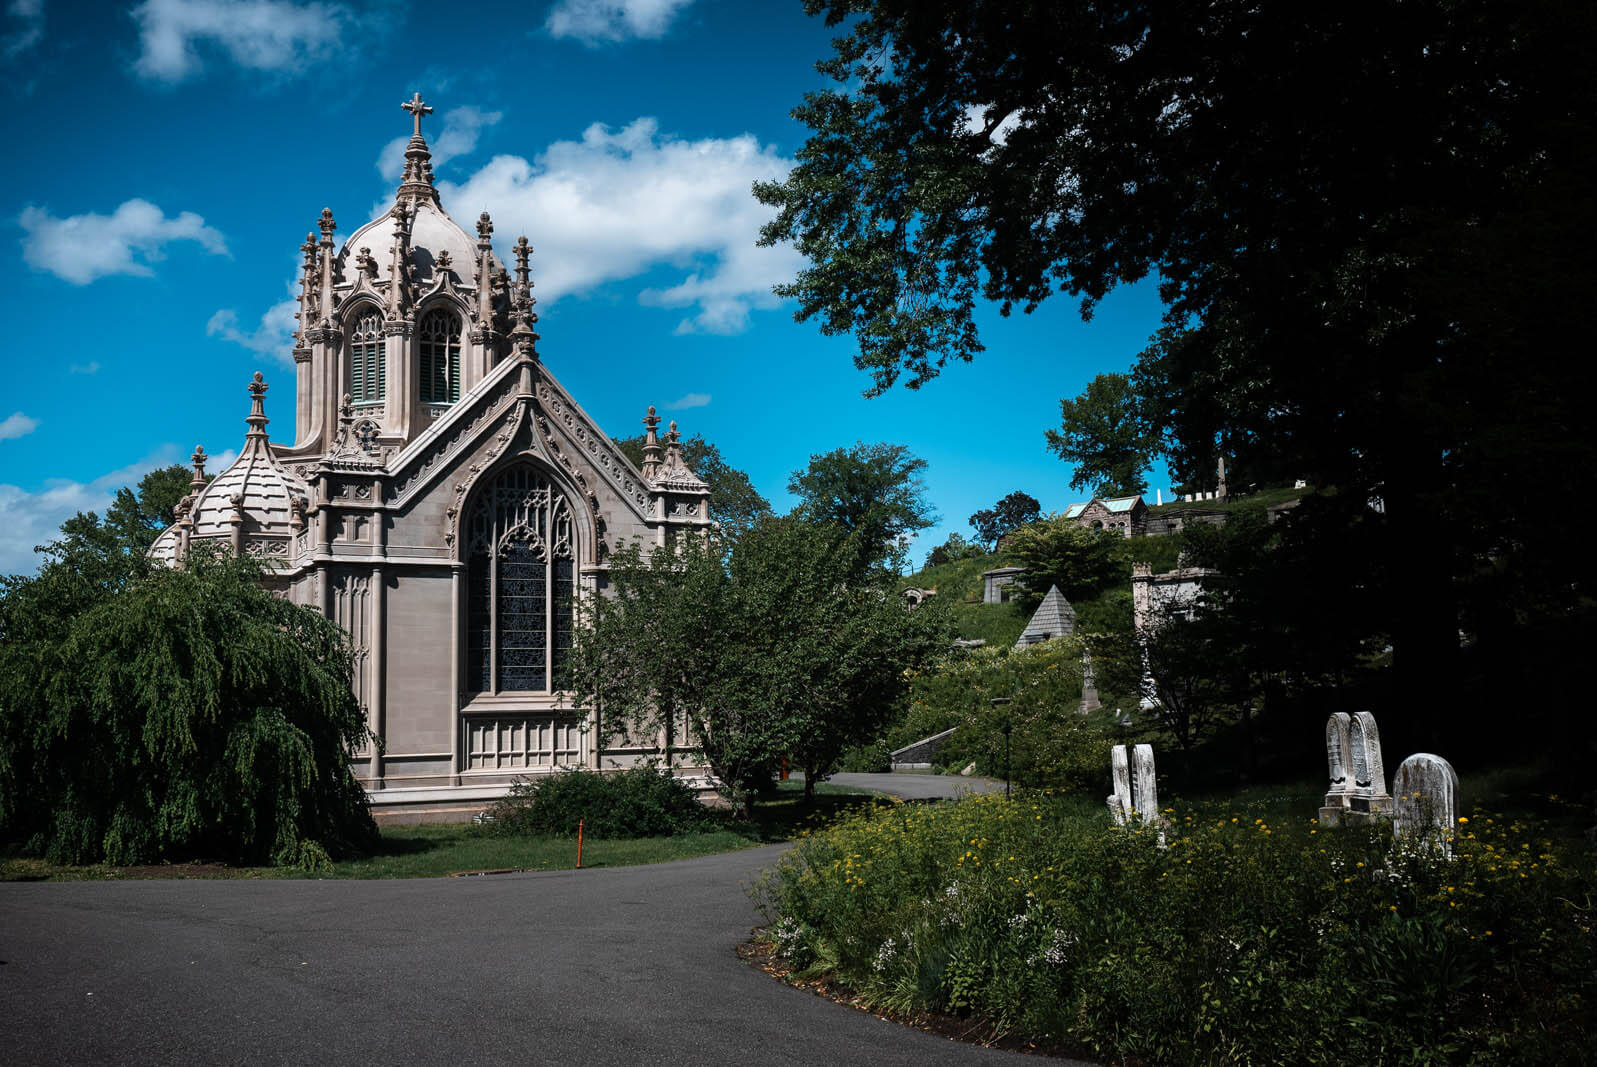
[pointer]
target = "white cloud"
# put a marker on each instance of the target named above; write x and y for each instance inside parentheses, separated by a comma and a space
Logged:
(17, 425)
(91, 367)
(618, 203)
(976, 122)
(29, 519)
(458, 137)
(28, 27)
(273, 337)
(594, 22)
(691, 400)
(81, 248)
(269, 35)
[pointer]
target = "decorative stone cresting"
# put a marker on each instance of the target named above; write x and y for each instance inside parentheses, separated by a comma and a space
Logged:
(1426, 789)
(1135, 795)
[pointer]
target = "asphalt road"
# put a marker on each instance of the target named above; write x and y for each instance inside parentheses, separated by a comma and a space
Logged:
(619, 965)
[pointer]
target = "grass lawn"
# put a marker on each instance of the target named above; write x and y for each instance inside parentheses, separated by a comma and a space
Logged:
(439, 850)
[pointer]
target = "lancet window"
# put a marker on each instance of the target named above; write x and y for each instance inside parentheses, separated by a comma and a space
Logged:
(521, 574)
(368, 373)
(439, 338)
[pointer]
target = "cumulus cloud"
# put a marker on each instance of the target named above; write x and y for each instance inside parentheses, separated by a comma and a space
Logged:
(29, 519)
(91, 367)
(26, 27)
(595, 22)
(17, 425)
(458, 137)
(267, 35)
(621, 202)
(690, 400)
(274, 336)
(81, 248)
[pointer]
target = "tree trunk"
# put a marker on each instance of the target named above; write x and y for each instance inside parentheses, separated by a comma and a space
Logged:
(809, 783)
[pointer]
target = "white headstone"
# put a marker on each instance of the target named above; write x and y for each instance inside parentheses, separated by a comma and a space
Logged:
(1135, 793)
(1369, 771)
(1426, 795)
(1120, 784)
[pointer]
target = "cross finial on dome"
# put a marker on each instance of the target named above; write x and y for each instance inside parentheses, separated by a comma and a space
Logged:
(417, 109)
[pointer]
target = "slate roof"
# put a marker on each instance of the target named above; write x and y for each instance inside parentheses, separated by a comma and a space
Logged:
(1054, 618)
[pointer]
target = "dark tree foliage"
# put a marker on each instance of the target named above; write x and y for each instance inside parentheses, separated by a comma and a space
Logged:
(769, 646)
(188, 713)
(734, 502)
(1369, 222)
(1010, 513)
(1083, 563)
(953, 550)
(872, 492)
(105, 554)
(1104, 434)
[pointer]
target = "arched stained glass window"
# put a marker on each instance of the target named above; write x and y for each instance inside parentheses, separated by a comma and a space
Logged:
(368, 374)
(521, 575)
(439, 338)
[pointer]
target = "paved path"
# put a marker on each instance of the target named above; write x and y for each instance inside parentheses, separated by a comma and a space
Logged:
(619, 965)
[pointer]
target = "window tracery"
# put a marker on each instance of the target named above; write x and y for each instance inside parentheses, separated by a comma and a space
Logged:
(521, 575)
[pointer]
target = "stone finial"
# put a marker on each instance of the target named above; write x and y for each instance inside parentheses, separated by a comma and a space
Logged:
(1136, 793)
(1426, 800)
(365, 264)
(485, 232)
(523, 252)
(417, 181)
(198, 459)
(257, 419)
(443, 262)
(309, 251)
(651, 445)
(327, 225)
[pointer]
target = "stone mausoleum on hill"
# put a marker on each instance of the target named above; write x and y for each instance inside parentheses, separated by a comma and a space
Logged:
(446, 500)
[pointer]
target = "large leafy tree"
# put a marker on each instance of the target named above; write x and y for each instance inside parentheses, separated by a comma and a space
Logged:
(1081, 562)
(1010, 513)
(734, 502)
(106, 553)
(763, 647)
(1102, 432)
(874, 493)
(1369, 225)
(186, 713)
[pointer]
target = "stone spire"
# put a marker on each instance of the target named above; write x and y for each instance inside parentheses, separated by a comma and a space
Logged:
(417, 182)
(327, 226)
(398, 270)
(651, 445)
(485, 249)
(522, 337)
(308, 286)
(255, 437)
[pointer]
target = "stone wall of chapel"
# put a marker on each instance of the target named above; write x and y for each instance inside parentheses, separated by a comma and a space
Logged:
(420, 653)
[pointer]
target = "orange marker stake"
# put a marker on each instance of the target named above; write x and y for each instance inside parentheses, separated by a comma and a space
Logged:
(579, 844)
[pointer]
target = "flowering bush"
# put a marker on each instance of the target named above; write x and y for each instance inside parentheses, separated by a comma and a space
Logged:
(1223, 936)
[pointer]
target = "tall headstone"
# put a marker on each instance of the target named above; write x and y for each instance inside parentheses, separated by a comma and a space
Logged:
(1426, 789)
(1339, 757)
(1089, 685)
(1136, 794)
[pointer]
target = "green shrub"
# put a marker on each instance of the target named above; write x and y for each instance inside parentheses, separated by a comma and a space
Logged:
(1229, 937)
(639, 802)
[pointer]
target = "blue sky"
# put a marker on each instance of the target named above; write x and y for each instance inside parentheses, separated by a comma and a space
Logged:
(170, 156)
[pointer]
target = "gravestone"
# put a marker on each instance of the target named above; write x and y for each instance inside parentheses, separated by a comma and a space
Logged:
(1426, 794)
(1089, 685)
(1135, 794)
(1357, 790)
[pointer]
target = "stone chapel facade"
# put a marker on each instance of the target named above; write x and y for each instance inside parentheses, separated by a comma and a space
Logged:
(446, 501)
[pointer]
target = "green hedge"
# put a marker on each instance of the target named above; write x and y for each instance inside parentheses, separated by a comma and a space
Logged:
(640, 802)
(1237, 938)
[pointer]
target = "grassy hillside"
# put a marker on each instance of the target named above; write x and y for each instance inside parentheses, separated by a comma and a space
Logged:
(959, 590)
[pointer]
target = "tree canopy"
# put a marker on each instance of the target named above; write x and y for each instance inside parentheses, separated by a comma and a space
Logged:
(765, 646)
(872, 492)
(1368, 224)
(1102, 432)
(1010, 513)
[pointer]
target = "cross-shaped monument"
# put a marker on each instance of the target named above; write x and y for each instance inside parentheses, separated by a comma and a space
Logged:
(417, 109)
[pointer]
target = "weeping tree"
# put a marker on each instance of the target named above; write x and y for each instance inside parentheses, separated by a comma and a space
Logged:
(187, 714)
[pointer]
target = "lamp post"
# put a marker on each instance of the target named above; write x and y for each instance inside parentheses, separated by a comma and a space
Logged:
(999, 702)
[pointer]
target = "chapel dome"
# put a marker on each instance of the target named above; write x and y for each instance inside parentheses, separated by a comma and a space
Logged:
(431, 231)
(255, 487)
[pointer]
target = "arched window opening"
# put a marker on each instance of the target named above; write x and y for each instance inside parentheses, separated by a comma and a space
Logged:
(521, 575)
(368, 373)
(440, 357)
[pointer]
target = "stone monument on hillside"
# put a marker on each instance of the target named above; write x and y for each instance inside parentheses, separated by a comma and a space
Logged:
(1357, 775)
(1135, 796)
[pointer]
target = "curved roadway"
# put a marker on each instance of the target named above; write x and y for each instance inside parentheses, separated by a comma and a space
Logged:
(617, 965)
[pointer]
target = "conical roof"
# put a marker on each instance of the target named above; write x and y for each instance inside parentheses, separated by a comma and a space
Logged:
(1054, 618)
(255, 486)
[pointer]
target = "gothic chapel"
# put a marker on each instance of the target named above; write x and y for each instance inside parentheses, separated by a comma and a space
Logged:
(446, 500)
